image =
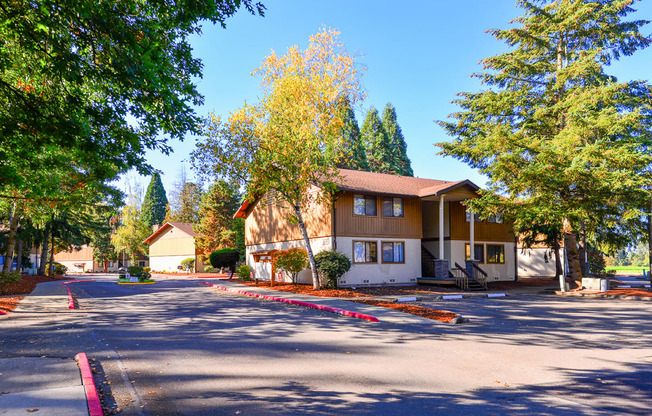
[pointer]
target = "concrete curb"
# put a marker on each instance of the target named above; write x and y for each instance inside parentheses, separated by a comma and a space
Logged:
(602, 296)
(299, 303)
(71, 300)
(93, 400)
(139, 283)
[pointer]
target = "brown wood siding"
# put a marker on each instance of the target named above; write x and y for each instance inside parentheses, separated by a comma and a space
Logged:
(483, 231)
(268, 222)
(85, 253)
(349, 225)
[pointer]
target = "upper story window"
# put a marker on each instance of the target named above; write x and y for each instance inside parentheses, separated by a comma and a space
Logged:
(364, 205)
(392, 207)
(468, 217)
(495, 218)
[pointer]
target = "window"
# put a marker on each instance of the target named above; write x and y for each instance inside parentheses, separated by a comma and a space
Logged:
(495, 253)
(364, 205)
(495, 218)
(392, 207)
(110, 264)
(479, 252)
(393, 252)
(365, 252)
(468, 217)
(141, 264)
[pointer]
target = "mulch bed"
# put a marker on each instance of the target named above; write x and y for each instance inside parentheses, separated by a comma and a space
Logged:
(442, 316)
(525, 282)
(307, 290)
(643, 293)
(23, 287)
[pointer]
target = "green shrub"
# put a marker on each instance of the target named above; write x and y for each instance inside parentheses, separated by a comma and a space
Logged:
(333, 265)
(208, 269)
(244, 272)
(292, 261)
(134, 270)
(147, 269)
(60, 269)
(226, 257)
(7, 278)
(188, 264)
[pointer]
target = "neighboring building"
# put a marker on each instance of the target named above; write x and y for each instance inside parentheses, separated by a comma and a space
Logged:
(394, 229)
(170, 244)
(82, 260)
(539, 261)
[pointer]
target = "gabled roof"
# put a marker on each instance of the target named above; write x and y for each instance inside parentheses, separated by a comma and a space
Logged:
(383, 184)
(183, 226)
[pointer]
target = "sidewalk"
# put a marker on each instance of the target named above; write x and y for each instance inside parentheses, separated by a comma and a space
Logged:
(383, 314)
(44, 386)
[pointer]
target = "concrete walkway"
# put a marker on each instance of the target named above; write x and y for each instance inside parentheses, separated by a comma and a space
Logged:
(44, 386)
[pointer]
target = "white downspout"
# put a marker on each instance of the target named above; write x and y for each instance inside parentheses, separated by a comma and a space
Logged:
(441, 226)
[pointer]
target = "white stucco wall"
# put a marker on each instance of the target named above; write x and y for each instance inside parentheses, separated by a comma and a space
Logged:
(381, 273)
(495, 272)
(262, 271)
(166, 263)
(532, 262)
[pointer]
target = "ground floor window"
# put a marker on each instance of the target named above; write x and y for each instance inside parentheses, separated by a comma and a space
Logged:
(478, 252)
(495, 253)
(393, 252)
(365, 252)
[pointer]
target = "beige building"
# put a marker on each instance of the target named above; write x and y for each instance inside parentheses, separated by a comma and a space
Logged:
(79, 260)
(170, 244)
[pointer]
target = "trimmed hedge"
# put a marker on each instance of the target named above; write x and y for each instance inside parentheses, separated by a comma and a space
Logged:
(227, 257)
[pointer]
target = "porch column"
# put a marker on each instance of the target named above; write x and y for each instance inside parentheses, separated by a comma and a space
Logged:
(472, 234)
(441, 226)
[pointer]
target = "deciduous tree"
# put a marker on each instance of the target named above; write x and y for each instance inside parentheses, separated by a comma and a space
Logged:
(290, 141)
(216, 224)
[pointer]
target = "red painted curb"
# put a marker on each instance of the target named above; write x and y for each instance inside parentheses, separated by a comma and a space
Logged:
(77, 281)
(3, 313)
(93, 400)
(71, 300)
(299, 303)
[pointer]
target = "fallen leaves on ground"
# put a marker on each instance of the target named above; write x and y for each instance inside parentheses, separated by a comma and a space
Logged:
(643, 293)
(23, 287)
(308, 290)
(437, 315)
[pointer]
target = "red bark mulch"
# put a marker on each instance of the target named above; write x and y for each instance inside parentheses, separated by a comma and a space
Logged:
(442, 316)
(307, 290)
(23, 287)
(643, 293)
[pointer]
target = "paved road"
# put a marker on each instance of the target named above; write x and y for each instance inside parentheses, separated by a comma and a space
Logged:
(178, 347)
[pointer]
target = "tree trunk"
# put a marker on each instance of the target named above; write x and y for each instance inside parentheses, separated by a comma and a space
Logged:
(44, 250)
(106, 265)
(19, 256)
(316, 284)
(559, 270)
(572, 253)
(50, 271)
(11, 239)
(582, 249)
(649, 244)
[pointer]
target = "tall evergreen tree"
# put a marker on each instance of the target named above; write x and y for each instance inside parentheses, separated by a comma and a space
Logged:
(155, 202)
(401, 164)
(185, 200)
(218, 205)
(355, 156)
(377, 143)
(554, 132)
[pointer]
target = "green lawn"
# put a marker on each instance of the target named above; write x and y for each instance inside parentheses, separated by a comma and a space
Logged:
(628, 269)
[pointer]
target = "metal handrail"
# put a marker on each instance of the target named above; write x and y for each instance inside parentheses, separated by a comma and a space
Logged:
(480, 276)
(461, 277)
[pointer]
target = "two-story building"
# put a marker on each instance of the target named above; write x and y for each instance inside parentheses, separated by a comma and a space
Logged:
(393, 228)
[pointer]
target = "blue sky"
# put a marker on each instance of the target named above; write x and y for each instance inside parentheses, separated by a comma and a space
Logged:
(418, 56)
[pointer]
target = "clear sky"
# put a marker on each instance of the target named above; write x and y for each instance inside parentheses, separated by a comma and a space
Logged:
(418, 56)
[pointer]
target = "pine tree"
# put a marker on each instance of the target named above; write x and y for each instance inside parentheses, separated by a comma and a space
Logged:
(355, 156)
(155, 202)
(185, 200)
(553, 131)
(401, 164)
(377, 143)
(216, 226)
